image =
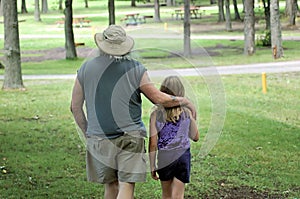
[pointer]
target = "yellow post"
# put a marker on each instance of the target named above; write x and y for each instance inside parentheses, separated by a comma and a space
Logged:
(166, 26)
(93, 31)
(264, 82)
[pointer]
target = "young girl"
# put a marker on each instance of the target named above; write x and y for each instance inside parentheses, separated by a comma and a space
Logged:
(170, 131)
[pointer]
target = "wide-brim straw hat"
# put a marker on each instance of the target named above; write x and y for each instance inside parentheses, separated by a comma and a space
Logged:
(114, 41)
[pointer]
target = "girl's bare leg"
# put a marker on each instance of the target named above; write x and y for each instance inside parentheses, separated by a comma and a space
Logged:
(166, 189)
(177, 189)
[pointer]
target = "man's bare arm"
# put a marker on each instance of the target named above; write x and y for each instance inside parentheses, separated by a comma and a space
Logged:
(158, 97)
(77, 106)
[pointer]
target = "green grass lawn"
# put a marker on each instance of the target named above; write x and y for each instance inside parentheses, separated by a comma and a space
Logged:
(160, 54)
(42, 156)
(214, 52)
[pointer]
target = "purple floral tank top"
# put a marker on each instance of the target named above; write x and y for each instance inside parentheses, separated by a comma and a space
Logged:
(174, 135)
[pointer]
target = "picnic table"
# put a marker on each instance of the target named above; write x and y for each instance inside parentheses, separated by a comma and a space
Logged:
(80, 20)
(77, 21)
(132, 18)
(194, 11)
(135, 18)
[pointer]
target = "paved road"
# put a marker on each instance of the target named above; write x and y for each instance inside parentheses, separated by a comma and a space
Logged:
(277, 67)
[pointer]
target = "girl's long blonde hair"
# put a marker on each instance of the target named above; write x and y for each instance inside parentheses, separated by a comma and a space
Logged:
(172, 85)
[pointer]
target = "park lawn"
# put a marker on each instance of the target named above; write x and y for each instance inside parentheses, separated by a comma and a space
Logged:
(155, 54)
(42, 155)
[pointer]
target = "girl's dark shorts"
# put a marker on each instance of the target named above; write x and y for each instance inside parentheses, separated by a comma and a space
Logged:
(174, 164)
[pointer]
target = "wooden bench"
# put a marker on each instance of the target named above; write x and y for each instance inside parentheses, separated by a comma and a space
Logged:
(147, 17)
(124, 19)
(79, 44)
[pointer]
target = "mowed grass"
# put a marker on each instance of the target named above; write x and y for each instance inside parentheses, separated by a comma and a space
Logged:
(158, 54)
(42, 156)
(47, 35)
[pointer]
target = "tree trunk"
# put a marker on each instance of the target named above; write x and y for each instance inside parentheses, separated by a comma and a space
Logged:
(249, 28)
(187, 29)
(221, 10)
(267, 13)
(243, 6)
(44, 6)
(288, 7)
(293, 13)
(1, 7)
(133, 4)
(169, 3)
(86, 3)
(69, 35)
(228, 16)
(236, 11)
(60, 7)
(23, 7)
(276, 37)
(157, 11)
(12, 55)
(111, 12)
(37, 14)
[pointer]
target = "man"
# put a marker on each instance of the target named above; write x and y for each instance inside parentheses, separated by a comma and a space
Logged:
(111, 86)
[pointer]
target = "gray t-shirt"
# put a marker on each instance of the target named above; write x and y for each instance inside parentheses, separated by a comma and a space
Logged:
(112, 95)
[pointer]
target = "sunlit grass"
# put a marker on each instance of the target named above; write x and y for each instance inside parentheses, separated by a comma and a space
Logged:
(43, 155)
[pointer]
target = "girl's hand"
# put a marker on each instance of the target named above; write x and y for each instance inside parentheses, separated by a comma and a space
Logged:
(154, 175)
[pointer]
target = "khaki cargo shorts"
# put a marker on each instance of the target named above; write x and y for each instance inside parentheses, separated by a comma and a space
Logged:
(121, 159)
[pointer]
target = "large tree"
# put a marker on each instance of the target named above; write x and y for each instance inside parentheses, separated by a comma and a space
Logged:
(111, 12)
(228, 16)
(60, 5)
(44, 6)
(133, 3)
(249, 28)
(291, 10)
(69, 34)
(170, 2)
(37, 12)
(12, 55)
(23, 7)
(1, 7)
(276, 37)
(221, 10)
(266, 4)
(236, 11)
(157, 11)
(187, 29)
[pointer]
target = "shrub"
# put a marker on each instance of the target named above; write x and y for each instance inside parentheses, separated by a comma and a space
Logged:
(264, 39)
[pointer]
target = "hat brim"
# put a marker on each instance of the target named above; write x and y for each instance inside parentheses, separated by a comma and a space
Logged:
(114, 49)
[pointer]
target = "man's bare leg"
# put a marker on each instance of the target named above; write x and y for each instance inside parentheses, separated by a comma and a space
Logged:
(126, 190)
(111, 190)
